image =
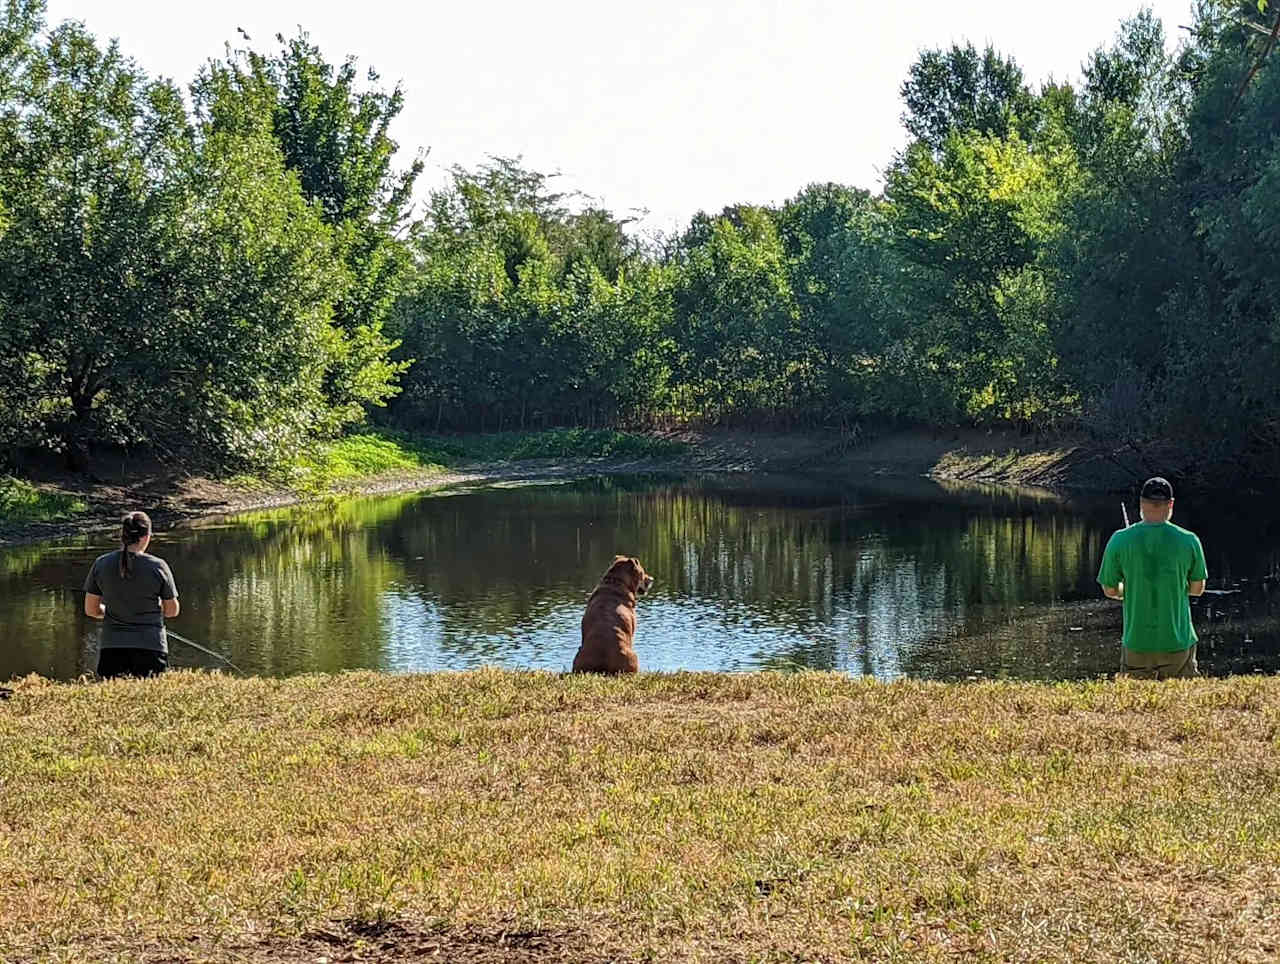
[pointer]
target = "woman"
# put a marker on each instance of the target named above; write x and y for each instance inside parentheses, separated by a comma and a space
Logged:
(134, 593)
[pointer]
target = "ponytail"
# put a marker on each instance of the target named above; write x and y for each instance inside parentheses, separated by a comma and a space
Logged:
(133, 528)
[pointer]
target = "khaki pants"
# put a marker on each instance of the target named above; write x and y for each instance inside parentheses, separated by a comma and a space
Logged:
(1158, 665)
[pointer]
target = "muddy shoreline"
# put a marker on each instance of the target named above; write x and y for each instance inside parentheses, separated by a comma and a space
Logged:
(176, 498)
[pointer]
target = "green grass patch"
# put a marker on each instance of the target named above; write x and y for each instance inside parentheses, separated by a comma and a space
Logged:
(702, 817)
(23, 502)
(363, 456)
(369, 454)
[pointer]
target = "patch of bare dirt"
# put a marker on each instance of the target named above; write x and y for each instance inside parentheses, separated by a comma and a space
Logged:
(370, 943)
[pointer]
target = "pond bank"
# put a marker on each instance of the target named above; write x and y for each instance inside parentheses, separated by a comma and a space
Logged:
(174, 497)
(493, 816)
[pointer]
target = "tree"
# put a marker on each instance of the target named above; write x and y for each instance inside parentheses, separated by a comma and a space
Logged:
(160, 282)
(255, 311)
(527, 312)
(336, 138)
(733, 313)
(844, 278)
(89, 251)
(959, 90)
(973, 219)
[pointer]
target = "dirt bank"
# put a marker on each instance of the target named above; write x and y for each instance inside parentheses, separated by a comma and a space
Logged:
(175, 496)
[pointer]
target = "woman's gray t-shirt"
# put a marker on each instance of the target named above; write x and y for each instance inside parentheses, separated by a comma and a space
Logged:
(134, 618)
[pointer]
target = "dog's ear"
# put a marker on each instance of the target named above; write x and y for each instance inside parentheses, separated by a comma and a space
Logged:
(636, 572)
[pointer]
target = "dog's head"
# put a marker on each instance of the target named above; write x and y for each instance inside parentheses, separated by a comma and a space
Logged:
(628, 571)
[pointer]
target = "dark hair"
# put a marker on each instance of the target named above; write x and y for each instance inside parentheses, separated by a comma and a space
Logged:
(134, 526)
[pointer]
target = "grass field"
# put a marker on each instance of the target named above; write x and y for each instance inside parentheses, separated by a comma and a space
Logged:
(496, 816)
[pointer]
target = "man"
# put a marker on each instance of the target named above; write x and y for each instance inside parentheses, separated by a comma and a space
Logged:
(1153, 567)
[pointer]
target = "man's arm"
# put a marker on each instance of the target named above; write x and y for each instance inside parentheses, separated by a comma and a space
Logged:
(93, 607)
(1199, 571)
(1110, 574)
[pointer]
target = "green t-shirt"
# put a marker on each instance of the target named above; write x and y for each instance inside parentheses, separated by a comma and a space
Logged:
(1155, 560)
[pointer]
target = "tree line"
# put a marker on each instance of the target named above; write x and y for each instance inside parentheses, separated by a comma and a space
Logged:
(239, 268)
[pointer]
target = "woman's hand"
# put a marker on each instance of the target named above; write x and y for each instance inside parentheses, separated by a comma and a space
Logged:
(94, 607)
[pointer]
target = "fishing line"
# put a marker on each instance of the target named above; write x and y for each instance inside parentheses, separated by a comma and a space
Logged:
(183, 639)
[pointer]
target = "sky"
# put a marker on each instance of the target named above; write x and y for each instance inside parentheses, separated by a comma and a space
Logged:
(672, 106)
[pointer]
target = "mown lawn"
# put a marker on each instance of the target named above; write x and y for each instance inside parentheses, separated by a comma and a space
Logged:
(517, 816)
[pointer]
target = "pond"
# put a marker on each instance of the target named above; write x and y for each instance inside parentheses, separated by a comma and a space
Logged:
(888, 577)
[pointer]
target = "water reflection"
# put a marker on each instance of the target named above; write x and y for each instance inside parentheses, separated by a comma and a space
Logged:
(903, 577)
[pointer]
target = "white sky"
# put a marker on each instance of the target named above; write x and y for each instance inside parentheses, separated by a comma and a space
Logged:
(672, 105)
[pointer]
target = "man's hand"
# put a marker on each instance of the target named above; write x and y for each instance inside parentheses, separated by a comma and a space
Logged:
(1114, 592)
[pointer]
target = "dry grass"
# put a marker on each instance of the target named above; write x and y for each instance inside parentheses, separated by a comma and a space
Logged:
(502, 816)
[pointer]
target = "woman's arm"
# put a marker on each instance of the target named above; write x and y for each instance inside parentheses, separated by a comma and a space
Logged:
(93, 607)
(169, 607)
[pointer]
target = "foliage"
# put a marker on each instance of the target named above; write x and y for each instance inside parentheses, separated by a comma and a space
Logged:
(973, 219)
(335, 137)
(526, 313)
(23, 502)
(958, 90)
(568, 443)
(243, 277)
(732, 315)
(163, 279)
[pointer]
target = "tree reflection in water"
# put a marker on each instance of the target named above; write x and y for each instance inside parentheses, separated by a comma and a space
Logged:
(900, 577)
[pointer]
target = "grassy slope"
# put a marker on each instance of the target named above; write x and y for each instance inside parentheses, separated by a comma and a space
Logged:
(21, 501)
(777, 817)
(367, 455)
(348, 462)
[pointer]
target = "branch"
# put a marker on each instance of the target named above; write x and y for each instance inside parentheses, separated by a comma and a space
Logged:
(1266, 51)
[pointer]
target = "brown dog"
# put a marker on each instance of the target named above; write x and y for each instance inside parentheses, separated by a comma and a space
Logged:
(609, 624)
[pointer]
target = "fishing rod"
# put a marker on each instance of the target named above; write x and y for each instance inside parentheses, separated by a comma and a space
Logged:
(194, 645)
(1124, 512)
(207, 652)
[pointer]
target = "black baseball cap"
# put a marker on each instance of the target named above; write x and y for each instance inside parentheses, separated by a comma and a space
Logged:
(1157, 490)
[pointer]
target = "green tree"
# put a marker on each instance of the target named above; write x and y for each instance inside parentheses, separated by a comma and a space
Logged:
(959, 90)
(847, 284)
(527, 312)
(733, 315)
(973, 220)
(336, 137)
(90, 251)
(160, 282)
(247, 380)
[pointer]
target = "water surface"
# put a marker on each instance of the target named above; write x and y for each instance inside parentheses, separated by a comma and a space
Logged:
(895, 578)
